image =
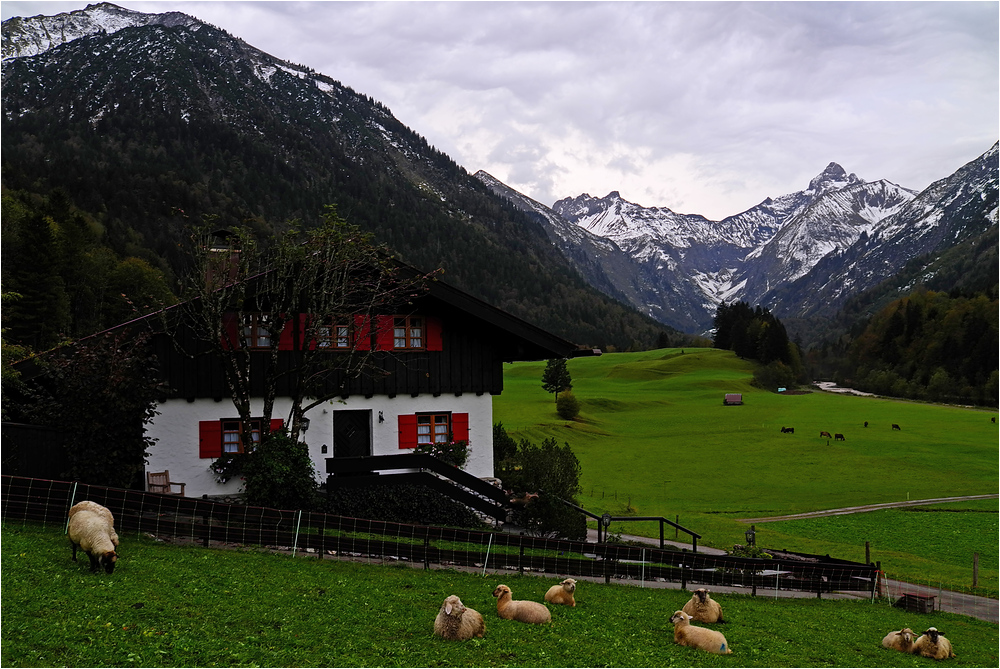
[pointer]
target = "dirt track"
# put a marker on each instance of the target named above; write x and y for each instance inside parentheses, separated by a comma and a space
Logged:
(866, 507)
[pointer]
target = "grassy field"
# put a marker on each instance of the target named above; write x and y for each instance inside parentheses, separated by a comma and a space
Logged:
(654, 439)
(170, 606)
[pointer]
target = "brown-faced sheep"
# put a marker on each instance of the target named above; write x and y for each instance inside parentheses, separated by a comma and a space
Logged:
(901, 640)
(91, 528)
(686, 634)
(521, 610)
(562, 593)
(703, 608)
(457, 622)
(932, 644)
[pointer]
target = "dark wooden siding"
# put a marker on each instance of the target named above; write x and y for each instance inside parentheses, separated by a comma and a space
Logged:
(471, 362)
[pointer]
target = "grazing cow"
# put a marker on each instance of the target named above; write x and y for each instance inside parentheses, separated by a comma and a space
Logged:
(896, 427)
(838, 437)
(825, 434)
(788, 430)
(866, 423)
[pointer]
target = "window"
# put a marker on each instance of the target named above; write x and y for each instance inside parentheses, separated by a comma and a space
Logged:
(256, 330)
(429, 428)
(217, 437)
(408, 332)
(334, 336)
(433, 428)
(232, 441)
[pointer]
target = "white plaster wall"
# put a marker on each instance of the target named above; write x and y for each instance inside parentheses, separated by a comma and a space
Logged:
(175, 430)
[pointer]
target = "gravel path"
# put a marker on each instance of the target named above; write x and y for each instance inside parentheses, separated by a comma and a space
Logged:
(866, 507)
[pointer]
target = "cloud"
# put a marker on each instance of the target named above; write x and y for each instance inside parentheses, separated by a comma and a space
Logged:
(702, 107)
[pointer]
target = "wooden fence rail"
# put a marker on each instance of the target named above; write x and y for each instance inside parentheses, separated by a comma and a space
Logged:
(47, 502)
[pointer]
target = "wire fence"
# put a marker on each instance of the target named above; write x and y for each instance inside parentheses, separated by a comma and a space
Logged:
(211, 523)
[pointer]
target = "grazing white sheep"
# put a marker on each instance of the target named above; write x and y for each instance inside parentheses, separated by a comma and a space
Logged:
(686, 634)
(932, 644)
(703, 608)
(457, 622)
(92, 529)
(520, 610)
(901, 640)
(562, 593)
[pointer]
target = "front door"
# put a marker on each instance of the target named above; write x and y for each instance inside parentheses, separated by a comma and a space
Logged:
(352, 433)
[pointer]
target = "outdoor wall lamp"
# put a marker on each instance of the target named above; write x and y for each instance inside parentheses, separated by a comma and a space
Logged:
(304, 423)
(381, 418)
(751, 536)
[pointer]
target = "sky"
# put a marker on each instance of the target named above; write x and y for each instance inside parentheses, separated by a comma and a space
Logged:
(700, 107)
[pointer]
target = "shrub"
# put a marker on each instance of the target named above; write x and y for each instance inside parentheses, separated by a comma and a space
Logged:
(567, 406)
(278, 473)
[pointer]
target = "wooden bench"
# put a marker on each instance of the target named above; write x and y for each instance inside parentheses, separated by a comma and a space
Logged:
(160, 482)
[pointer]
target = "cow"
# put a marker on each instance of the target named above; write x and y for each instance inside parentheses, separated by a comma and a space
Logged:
(788, 430)
(896, 427)
(825, 434)
(838, 437)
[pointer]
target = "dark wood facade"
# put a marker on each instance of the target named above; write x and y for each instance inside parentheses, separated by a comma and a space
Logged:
(476, 340)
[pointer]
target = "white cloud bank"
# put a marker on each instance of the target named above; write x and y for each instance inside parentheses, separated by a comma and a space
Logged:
(702, 107)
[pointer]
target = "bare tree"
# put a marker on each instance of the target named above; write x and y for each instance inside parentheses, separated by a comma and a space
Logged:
(293, 299)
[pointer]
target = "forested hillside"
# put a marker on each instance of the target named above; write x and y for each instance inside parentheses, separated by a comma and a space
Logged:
(129, 138)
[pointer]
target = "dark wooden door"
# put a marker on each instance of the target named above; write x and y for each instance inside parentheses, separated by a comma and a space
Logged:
(352, 433)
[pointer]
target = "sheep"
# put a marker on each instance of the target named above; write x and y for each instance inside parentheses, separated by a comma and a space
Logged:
(901, 640)
(520, 610)
(91, 528)
(686, 634)
(703, 608)
(457, 622)
(562, 593)
(932, 644)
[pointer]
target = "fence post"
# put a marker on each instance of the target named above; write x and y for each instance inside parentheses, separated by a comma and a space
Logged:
(868, 552)
(975, 570)
(878, 578)
(207, 519)
(295, 541)
(72, 498)
(661, 533)
(427, 548)
(520, 560)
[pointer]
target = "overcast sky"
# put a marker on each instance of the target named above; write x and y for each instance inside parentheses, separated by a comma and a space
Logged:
(701, 107)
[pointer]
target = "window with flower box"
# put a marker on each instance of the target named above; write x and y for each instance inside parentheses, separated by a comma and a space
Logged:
(220, 437)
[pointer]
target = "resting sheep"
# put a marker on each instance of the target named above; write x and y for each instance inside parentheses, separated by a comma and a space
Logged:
(457, 622)
(520, 610)
(703, 608)
(562, 593)
(901, 640)
(686, 634)
(92, 529)
(932, 644)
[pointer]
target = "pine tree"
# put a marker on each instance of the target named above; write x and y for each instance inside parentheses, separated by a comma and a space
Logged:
(556, 377)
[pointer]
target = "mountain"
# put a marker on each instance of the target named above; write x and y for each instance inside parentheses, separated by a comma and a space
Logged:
(802, 255)
(151, 122)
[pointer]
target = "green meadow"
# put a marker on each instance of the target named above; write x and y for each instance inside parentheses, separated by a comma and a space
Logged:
(654, 439)
(188, 606)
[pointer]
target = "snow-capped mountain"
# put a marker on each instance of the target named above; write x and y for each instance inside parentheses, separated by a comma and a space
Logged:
(840, 235)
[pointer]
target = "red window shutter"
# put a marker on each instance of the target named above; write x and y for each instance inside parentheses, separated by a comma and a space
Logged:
(210, 439)
(230, 331)
(276, 424)
(434, 342)
(384, 334)
(287, 337)
(408, 431)
(362, 333)
(460, 426)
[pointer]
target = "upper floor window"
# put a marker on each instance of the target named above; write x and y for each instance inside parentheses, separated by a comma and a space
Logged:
(334, 336)
(256, 330)
(408, 332)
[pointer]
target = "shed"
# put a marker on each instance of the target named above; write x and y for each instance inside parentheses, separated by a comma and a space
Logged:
(733, 398)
